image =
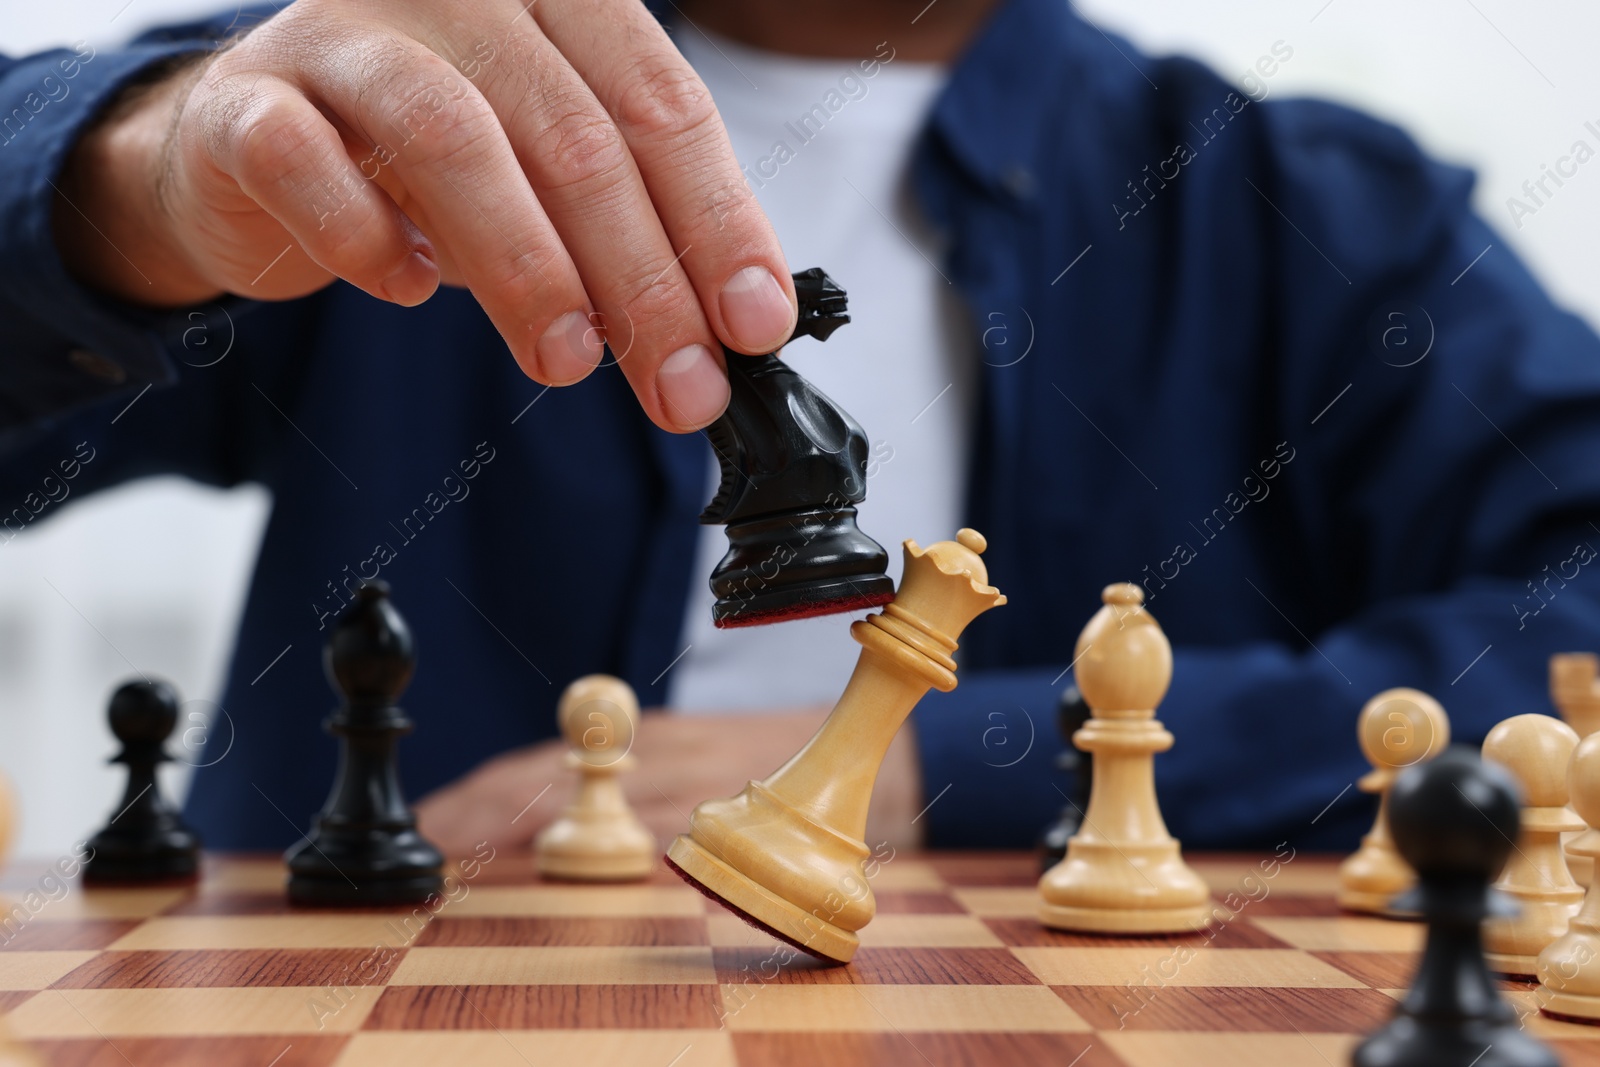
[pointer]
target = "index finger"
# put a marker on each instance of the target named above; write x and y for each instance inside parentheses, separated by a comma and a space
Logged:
(671, 126)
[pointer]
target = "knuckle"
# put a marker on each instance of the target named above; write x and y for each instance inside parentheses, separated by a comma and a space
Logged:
(515, 288)
(351, 241)
(721, 205)
(274, 144)
(427, 112)
(664, 100)
(521, 280)
(221, 104)
(654, 296)
(383, 63)
(579, 144)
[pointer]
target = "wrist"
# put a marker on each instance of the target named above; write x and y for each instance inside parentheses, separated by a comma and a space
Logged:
(112, 225)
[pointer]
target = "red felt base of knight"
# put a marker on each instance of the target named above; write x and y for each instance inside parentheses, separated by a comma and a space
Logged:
(747, 917)
(811, 610)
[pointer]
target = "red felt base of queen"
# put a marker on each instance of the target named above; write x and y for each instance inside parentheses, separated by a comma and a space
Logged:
(747, 917)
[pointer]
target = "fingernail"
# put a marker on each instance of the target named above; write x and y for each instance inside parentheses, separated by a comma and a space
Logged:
(570, 348)
(412, 282)
(756, 310)
(693, 388)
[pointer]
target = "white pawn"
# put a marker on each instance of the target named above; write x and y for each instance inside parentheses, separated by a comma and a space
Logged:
(1536, 749)
(1397, 728)
(597, 838)
(1569, 967)
(1575, 691)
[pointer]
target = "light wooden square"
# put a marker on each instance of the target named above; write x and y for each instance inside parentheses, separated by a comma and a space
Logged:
(81, 903)
(1164, 1049)
(270, 931)
(589, 965)
(1167, 965)
(1300, 877)
(726, 930)
(36, 970)
(905, 874)
(999, 902)
(638, 901)
(538, 1048)
(1346, 934)
(928, 931)
(819, 1008)
(180, 1012)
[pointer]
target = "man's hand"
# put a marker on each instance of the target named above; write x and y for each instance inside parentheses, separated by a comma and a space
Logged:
(682, 760)
(560, 159)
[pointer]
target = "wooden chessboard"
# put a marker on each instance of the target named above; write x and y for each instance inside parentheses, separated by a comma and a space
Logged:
(516, 973)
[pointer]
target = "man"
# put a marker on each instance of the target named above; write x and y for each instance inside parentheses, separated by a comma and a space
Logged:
(1246, 368)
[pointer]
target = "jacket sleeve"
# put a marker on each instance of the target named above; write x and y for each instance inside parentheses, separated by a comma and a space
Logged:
(62, 346)
(1447, 513)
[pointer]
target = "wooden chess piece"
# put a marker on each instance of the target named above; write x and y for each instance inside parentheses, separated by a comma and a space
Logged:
(147, 840)
(787, 853)
(1575, 691)
(597, 838)
(14, 1053)
(8, 817)
(1397, 729)
(1537, 750)
(1123, 873)
(1072, 712)
(1569, 967)
(1453, 819)
(364, 848)
(792, 463)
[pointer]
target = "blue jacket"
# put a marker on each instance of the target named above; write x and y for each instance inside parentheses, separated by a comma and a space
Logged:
(1260, 357)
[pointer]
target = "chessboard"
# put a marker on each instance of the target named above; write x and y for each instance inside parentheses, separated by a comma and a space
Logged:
(514, 972)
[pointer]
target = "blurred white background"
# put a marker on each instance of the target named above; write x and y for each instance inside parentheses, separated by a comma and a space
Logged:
(157, 570)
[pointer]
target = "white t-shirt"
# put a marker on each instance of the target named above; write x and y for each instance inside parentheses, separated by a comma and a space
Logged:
(826, 147)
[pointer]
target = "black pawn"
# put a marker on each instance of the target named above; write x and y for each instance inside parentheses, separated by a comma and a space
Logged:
(1071, 714)
(146, 840)
(1454, 820)
(364, 848)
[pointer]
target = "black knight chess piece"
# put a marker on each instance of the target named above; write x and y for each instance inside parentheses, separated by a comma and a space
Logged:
(1072, 712)
(146, 841)
(364, 848)
(793, 469)
(1453, 820)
